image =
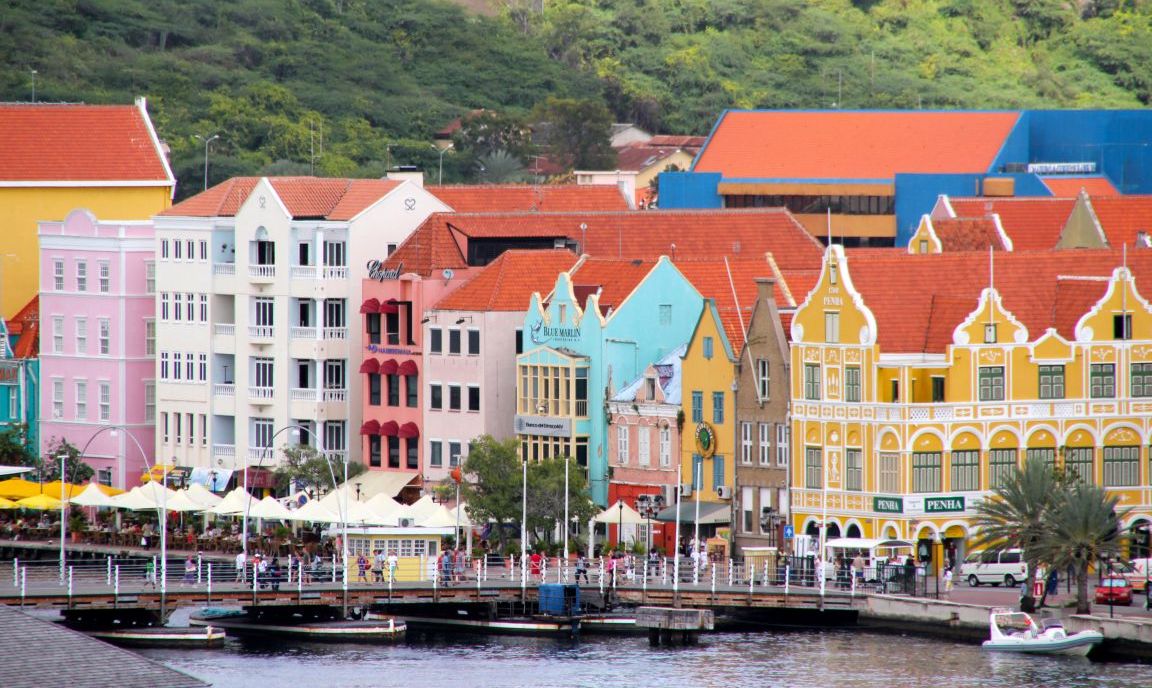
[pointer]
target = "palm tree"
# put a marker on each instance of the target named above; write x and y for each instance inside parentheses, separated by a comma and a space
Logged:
(1017, 512)
(1082, 527)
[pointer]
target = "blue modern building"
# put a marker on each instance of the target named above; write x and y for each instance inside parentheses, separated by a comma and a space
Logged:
(603, 324)
(866, 177)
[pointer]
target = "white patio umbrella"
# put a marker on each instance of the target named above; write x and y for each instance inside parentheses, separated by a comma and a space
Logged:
(156, 494)
(384, 505)
(233, 503)
(465, 522)
(314, 512)
(134, 500)
(202, 495)
(615, 515)
(92, 495)
(183, 502)
(269, 508)
(421, 508)
(440, 517)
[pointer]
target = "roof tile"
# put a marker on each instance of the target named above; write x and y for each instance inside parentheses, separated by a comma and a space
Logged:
(507, 283)
(1071, 186)
(305, 197)
(545, 198)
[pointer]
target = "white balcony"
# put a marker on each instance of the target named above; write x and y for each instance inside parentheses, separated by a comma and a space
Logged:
(324, 395)
(337, 455)
(224, 390)
(335, 273)
(302, 333)
(261, 395)
(303, 272)
(224, 451)
(224, 269)
(303, 395)
(259, 454)
(262, 272)
(224, 329)
(334, 395)
(336, 333)
(261, 332)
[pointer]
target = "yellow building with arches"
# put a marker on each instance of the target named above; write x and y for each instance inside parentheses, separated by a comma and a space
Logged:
(920, 381)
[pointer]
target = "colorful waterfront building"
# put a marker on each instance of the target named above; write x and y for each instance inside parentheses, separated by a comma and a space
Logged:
(603, 324)
(920, 381)
(61, 156)
(97, 308)
(20, 373)
(644, 450)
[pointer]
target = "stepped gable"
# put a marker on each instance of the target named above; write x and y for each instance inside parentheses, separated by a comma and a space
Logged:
(67, 142)
(852, 145)
(320, 198)
(542, 198)
(442, 240)
(507, 283)
(1032, 224)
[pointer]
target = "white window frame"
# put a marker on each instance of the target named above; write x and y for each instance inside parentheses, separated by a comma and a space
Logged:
(150, 277)
(765, 437)
(81, 400)
(105, 400)
(81, 275)
(105, 336)
(783, 438)
(57, 334)
(164, 256)
(622, 444)
(81, 335)
(746, 442)
(665, 447)
(763, 379)
(149, 336)
(104, 276)
(57, 398)
(58, 274)
(149, 400)
(643, 445)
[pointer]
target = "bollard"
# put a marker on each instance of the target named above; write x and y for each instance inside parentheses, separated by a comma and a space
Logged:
(333, 568)
(163, 570)
(116, 583)
(713, 581)
(23, 584)
(730, 572)
(69, 586)
(645, 575)
(485, 560)
(477, 578)
(820, 572)
(766, 581)
(16, 572)
(664, 571)
(751, 579)
(695, 571)
(255, 575)
(199, 567)
(109, 569)
(601, 576)
(291, 573)
(853, 592)
(787, 577)
(210, 581)
(300, 578)
(435, 579)
(155, 571)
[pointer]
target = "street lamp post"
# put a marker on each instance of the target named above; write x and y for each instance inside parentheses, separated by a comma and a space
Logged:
(524, 515)
(62, 457)
(206, 140)
(567, 524)
(620, 526)
(440, 172)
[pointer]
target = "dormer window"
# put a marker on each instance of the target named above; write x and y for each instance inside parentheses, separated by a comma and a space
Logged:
(1122, 326)
(990, 333)
(650, 389)
(832, 276)
(923, 246)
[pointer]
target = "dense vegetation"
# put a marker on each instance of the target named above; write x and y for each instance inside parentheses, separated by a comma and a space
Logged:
(350, 86)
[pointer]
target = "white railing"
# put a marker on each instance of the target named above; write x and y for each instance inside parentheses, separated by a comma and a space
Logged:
(262, 271)
(340, 395)
(337, 454)
(302, 333)
(224, 390)
(335, 273)
(261, 392)
(303, 272)
(224, 450)
(224, 269)
(261, 331)
(302, 395)
(224, 329)
(258, 453)
(336, 333)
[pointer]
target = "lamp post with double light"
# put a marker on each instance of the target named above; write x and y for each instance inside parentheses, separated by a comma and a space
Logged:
(207, 140)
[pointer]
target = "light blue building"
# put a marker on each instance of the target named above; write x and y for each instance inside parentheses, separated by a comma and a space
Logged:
(20, 376)
(603, 324)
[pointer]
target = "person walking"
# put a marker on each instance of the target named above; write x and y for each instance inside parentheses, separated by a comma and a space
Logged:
(241, 567)
(393, 563)
(189, 571)
(581, 568)
(948, 582)
(150, 573)
(378, 566)
(858, 569)
(362, 569)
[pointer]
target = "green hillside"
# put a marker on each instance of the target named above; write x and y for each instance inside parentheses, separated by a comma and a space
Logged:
(349, 86)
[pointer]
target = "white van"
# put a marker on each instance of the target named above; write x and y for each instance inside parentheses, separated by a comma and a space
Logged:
(994, 568)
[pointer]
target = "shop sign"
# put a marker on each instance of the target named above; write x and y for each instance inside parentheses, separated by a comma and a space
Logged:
(542, 334)
(543, 425)
(378, 272)
(705, 440)
(381, 349)
(936, 505)
(1062, 168)
(888, 505)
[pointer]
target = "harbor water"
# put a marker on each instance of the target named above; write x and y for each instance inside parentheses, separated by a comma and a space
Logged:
(799, 659)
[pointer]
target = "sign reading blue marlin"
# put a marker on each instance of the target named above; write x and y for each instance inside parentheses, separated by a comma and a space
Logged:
(542, 334)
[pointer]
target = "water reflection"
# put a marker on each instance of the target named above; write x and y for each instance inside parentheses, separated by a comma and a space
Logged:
(842, 659)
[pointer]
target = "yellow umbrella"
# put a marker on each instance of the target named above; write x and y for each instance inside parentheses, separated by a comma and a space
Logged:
(40, 502)
(157, 472)
(18, 488)
(7, 504)
(52, 489)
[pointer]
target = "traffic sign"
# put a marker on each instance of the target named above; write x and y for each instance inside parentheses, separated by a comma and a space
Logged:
(789, 532)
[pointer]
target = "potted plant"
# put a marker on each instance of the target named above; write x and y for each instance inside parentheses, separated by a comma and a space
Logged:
(76, 525)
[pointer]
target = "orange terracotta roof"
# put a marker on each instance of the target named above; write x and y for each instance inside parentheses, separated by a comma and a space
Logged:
(83, 143)
(853, 145)
(637, 157)
(1071, 186)
(25, 326)
(693, 143)
(918, 300)
(734, 297)
(968, 234)
(613, 278)
(1123, 217)
(441, 241)
(507, 283)
(305, 197)
(546, 198)
(1033, 224)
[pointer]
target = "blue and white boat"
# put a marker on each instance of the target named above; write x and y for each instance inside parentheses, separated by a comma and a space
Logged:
(1017, 632)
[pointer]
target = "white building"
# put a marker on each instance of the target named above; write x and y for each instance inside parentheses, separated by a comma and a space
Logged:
(258, 285)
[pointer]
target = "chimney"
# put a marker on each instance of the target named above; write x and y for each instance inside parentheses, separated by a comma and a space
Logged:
(766, 289)
(406, 173)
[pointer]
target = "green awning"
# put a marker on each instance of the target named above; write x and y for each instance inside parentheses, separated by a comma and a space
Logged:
(711, 513)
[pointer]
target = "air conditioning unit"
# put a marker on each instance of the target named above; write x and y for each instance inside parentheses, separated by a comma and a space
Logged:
(669, 496)
(407, 522)
(723, 492)
(685, 489)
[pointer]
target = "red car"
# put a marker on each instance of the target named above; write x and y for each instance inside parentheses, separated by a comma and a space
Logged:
(1114, 590)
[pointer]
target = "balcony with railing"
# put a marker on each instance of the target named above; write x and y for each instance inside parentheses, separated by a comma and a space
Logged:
(224, 329)
(224, 269)
(224, 390)
(326, 395)
(335, 333)
(303, 272)
(302, 333)
(224, 451)
(259, 454)
(261, 395)
(262, 272)
(332, 272)
(261, 333)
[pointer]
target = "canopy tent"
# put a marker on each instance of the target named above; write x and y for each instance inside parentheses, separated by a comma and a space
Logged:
(40, 502)
(157, 494)
(440, 517)
(8, 504)
(14, 470)
(314, 512)
(620, 513)
(420, 509)
(465, 522)
(19, 488)
(373, 483)
(144, 497)
(234, 503)
(94, 495)
(358, 512)
(183, 502)
(269, 508)
(202, 495)
(711, 513)
(385, 506)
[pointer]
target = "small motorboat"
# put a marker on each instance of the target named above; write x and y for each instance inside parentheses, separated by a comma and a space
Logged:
(1014, 631)
(165, 636)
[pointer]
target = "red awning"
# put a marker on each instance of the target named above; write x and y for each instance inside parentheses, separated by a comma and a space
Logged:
(370, 427)
(389, 367)
(389, 429)
(407, 368)
(389, 306)
(370, 306)
(370, 365)
(409, 430)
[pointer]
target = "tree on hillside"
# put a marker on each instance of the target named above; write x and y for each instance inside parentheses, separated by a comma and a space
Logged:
(577, 133)
(500, 167)
(485, 132)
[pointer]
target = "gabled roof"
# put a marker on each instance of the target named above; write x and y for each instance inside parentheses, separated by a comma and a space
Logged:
(731, 284)
(668, 376)
(544, 198)
(325, 198)
(919, 299)
(1070, 186)
(637, 157)
(25, 327)
(1123, 217)
(691, 143)
(1033, 224)
(64, 142)
(507, 283)
(853, 145)
(612, 278)
(441, 241)
(968, 234)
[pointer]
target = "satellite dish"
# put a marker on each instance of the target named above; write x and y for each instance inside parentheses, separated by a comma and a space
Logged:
(448, 273)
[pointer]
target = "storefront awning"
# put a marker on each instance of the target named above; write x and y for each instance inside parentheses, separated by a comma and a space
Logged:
(370, 306)
(711, 513)
(409, 430)
(389, 367)
(389, 306)
(370, 427)
(408, 368)
(389, 428)
(370, 366)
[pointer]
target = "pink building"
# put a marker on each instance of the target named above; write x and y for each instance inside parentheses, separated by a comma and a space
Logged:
(97, 284)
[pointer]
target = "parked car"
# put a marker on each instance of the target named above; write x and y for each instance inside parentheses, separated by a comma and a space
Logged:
(1114, 590)
(994, 568)
(1135, 572)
